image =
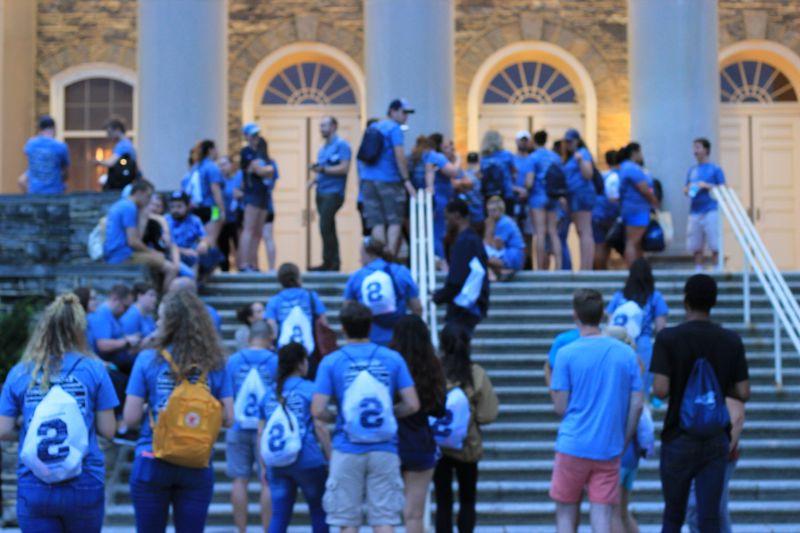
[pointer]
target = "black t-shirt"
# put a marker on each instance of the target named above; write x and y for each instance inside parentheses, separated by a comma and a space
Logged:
(675, 352)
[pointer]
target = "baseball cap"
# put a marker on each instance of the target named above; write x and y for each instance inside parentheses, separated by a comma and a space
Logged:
(523, 134)
(572, 135)
(401, 103)
(46, 122)
(250, 129)
(179, 196)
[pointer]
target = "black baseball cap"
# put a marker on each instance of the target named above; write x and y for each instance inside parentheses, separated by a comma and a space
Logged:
(179, 196)
(46, 122)
(401, 103)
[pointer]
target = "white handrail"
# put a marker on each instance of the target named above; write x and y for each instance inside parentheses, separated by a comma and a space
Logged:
(784, 304)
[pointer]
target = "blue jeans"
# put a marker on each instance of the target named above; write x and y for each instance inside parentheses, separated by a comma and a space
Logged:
(724, 513)
(155, 485)
(76, 506)
(686, 459)
(439, 225)
(283, 484)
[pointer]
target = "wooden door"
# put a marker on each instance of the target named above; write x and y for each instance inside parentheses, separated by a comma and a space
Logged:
(734, 158)
(504, 119)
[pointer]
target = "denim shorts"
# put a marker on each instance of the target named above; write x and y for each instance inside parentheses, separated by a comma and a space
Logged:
(582, 200)
(417, 461)
(75, 505)
(600, 229)
(241, 449)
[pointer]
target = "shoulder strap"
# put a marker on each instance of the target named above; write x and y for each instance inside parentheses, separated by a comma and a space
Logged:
(312, 307)
(73, 367)
(177, 371)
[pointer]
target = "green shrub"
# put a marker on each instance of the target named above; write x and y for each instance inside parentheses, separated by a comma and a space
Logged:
(15, 329)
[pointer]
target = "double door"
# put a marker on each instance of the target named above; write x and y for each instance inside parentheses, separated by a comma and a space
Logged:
(294, 140)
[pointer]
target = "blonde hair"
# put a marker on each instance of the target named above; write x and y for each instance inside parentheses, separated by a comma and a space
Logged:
(496, 201)
(492, 142)
(186, 330)
(61, 329)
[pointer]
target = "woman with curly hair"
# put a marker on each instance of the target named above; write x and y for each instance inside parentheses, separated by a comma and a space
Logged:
(57, 354)
(416, 445)
(185, 331)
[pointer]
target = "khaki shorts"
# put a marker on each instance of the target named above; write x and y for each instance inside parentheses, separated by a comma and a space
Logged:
(384, 203)
(152, 259)
(703, 231)
(368, 482)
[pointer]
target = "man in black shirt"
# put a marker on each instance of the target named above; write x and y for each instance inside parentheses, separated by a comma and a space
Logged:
(685, 457)
(466, 290)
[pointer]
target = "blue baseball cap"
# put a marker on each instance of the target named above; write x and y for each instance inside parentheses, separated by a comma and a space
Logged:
(401, 103)
(572, 135)
(250, 129)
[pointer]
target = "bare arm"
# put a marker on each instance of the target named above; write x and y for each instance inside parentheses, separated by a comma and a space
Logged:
(560, 401)
(133, 411)
(736, 411)
(135, 240)
(22, 182)
(323, 437)
(587, 170)
(267, 171)
(339, 169)
(227, 412)
(400, 159)
(430, 176)
(660, 386)
(660, 323)
(216, 192)
(112, 345)
(634, 413)
(409, 403)
(416, 306)
(648, 194)
(106, 423)
(742, 390)
(547, 374)
(319, 408)
(529, 179)
(110, 162)
(8, 430)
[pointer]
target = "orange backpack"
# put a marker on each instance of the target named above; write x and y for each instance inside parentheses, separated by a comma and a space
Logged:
(189, 425)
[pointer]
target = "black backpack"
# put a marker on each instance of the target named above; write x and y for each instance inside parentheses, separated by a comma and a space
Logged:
(371, 146)
(121, 174)
(598, 181)
(555, 181)
(492, 180)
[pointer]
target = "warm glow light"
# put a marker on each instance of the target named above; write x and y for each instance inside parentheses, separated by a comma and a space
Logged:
(98, 154)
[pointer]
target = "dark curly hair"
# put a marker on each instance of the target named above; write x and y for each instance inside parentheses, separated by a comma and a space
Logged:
(412, 339)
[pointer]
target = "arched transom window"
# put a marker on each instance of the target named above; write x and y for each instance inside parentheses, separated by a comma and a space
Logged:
(309, 83)
(755, 82)
(530, 82)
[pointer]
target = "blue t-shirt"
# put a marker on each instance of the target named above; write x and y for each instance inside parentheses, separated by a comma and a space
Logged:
(124, 147)
(474, 197)
(340, 368)
(385, 169)
(561, 340)
(298, 393)
(122, 215)
(47, 158)
(280, 305)
(87, 382)
(505, 160)
(572, 170)
(523, 164)
(630, 176)
(507, 231)
(541, 159)
(133, 321)
(240, 364)
(215, 318)
(186, 233)
(607, 206)
(209, 174)
(600, 373)
(708, 173)
(152, 379)
(231, 204)
(655, 307)
(404, 288)
(442, 186)
(104, 325)
(332, 153)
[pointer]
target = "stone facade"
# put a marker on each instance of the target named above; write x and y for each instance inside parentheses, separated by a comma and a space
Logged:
(71, 32)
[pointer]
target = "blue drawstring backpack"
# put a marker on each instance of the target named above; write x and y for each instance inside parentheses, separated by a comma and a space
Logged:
(703, 411)
(653, 240)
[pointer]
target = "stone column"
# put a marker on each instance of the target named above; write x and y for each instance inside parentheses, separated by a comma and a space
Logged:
(182, 63)
(17, 88)
(409, 52)
(674, 79)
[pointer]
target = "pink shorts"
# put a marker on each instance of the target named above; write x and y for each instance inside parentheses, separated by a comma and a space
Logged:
(571, 474)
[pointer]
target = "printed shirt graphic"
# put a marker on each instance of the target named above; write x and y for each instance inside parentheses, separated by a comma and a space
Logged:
(239, 366)
(88, 383)
(298, 393)
(46, 159)
(330, 154)
(338, 370)
(279, 306)
(152, 379)
(709, 173)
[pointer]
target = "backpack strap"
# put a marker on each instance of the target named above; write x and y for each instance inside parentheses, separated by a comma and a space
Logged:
(312, 308)
(177, 371)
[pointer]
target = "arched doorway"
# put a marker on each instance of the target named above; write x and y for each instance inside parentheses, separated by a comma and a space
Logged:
(760, 144)
(288, 95)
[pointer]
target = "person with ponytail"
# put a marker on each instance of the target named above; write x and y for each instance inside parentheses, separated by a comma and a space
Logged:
(416, 444)
(310, 470)
(460, 371)
(184, 330)
(57, 354)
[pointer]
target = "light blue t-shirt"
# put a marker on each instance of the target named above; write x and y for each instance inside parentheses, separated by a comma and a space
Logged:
(655, 307)
(332, 153)
(600, 373)
(708, 173)
(104, 325)
(186, 233)
(630, 176)
(442, 186)
(507, 231)
(122, 215)
(133, 321)
(87, 382)
(240, 364)
(47, 159)
(576, 183)
(124, 146)
(280, 305)
(209, 174)
(340, 368)
(298, 393)
(152, 379)
(215, 318)
(404, 288)
(385, 169)
(541, 159)
(523, 164)
(561, 340)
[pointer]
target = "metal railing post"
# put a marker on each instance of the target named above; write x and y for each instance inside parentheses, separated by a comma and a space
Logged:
(776, 335)
(746, 292)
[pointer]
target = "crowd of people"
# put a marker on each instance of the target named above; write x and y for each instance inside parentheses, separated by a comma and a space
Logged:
(522, 204)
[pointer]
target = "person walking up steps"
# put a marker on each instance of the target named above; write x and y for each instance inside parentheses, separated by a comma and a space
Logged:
(59, 488)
